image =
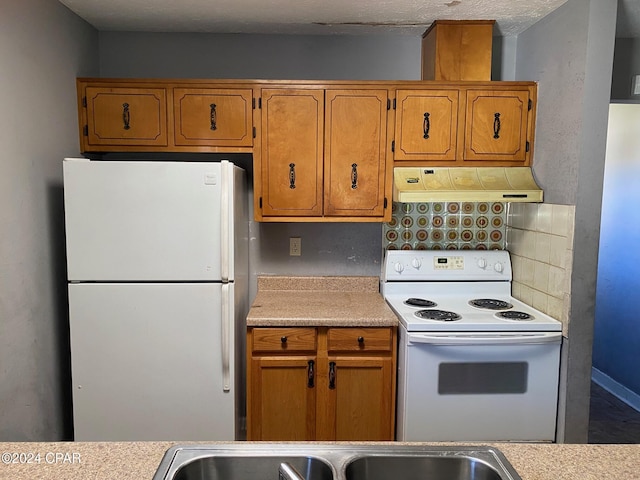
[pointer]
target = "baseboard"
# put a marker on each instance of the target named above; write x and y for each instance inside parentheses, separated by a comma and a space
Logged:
(629, 397)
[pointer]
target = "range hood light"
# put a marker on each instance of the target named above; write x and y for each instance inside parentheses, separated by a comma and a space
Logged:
(465, 184)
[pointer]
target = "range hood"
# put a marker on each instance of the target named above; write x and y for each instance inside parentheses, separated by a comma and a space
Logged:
(465, 184)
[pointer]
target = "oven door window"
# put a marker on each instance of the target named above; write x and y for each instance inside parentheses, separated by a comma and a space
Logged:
(482, 378)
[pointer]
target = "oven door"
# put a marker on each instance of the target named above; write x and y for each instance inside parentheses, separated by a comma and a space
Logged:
(478, 386)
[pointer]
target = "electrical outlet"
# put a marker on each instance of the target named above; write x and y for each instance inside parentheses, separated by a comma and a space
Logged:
(295, 246)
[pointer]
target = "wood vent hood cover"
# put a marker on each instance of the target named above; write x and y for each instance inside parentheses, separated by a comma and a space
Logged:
(465, 184)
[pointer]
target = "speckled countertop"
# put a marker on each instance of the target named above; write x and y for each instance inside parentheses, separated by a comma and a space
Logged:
(319, 301)
(139, 461)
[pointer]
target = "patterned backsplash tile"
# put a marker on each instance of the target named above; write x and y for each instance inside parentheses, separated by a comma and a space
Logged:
(446, 226)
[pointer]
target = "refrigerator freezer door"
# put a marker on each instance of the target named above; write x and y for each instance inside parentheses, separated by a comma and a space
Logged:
(145, 221)
(147, 362)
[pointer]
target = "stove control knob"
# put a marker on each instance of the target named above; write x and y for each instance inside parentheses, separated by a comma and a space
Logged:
(416, 263)
(398, 267)
(498, 267)
(482, 263)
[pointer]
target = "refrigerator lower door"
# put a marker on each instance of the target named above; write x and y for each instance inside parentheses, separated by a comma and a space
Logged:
(147, 362)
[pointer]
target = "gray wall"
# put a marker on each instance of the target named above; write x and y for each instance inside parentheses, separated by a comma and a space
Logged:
(570, 53)
(327, 249)
(43, 47)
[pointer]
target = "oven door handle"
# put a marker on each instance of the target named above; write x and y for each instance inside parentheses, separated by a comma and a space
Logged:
(478, 338)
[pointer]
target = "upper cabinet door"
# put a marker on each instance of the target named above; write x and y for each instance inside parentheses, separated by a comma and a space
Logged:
(213, 117)
(426, 125)
(126, 116)
(355, 141)
(496, 125)
(292, 133)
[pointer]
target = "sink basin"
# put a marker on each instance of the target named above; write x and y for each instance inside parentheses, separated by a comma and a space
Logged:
(335, 461)
(251, 468)
(420, 467)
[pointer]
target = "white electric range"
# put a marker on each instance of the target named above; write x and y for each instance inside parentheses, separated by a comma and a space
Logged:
(474, 363)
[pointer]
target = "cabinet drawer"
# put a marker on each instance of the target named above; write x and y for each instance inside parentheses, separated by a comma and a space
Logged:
(359, 339)
(284, 339)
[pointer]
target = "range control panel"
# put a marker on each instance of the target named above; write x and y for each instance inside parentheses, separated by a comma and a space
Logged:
(442, 265)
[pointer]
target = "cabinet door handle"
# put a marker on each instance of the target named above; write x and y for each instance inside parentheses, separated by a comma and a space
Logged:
(213, 116)
(292, 175)
(332, 375)
(126, 116)
(496, 125)
(426, 125)
(310, 374)
(354, 176)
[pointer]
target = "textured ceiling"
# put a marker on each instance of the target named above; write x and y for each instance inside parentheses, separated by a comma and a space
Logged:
(323, 16)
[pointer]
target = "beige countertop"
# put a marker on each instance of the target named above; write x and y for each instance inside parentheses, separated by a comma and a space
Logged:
(319, 301)
(139, 461)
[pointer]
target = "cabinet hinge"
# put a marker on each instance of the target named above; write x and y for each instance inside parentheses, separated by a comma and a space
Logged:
(393, 145)
(84, 101)
(385, 202)
(260, 202)
(85, 130)
(527, 147)
(530, 105)
(394, 103)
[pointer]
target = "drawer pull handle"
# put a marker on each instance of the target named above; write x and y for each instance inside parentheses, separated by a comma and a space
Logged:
(283, 339)
(361, 340)
(332, 375)
(292, 175)
(310, 374)
(354, 176)
(426, 125)
(496, 125)
(212, 116)
(126, 116)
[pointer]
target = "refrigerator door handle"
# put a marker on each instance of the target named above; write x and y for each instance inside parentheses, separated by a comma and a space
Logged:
(224, 336)
(225, 218)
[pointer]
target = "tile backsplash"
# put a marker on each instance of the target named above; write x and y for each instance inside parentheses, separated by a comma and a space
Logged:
(540, 240)
(446, 226)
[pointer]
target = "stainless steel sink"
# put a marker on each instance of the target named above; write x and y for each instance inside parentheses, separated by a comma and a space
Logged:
(314, 461)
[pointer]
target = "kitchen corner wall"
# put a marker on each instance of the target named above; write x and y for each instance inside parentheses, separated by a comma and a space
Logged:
(540, 240)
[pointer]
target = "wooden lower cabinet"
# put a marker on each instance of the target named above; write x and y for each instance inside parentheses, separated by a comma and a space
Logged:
(341, 389)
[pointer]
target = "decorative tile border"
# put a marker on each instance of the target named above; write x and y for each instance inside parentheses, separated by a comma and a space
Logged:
(446, 226)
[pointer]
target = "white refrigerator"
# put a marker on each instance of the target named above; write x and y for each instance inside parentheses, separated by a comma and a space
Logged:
(157, 260)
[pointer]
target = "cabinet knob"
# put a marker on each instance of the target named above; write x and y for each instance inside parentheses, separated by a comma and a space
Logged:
(283, 339)
(360, 340)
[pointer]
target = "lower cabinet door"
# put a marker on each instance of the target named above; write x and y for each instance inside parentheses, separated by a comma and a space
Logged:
(359, 395)
(283, 398)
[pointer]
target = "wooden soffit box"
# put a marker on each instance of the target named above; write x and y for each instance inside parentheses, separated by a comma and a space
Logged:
(454, 50)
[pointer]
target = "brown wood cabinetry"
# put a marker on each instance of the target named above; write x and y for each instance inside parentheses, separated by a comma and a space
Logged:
(130, 115)
(125, 116)
(323, 154)
(488, 124)
(321, 383)
(213, 116)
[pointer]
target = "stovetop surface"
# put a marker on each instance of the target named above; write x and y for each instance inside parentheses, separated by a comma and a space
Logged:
(451, 279)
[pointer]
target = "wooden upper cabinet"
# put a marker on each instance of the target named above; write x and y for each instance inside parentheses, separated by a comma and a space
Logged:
(497, 125)
(213, 116)
(292, 152)
(126, 116)
(355, 142)
(426, 125)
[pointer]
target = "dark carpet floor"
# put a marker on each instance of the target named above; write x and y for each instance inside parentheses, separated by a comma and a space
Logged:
(611, 420)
